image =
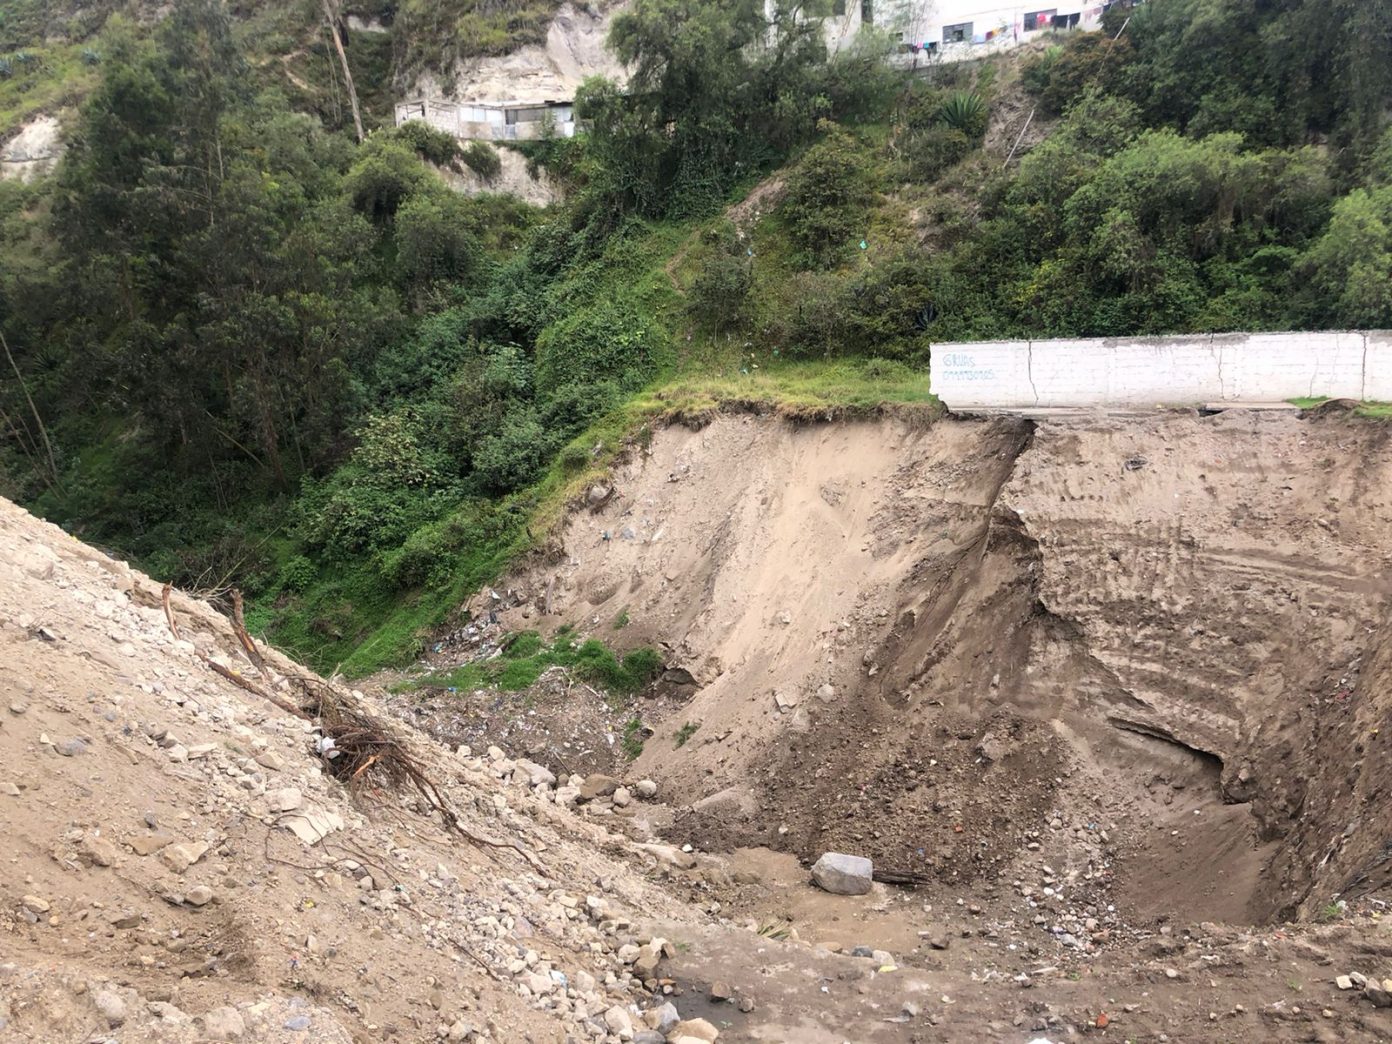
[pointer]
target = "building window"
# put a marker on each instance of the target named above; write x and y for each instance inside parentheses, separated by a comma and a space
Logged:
(867, 12)
(959, 33)
(1039, 19)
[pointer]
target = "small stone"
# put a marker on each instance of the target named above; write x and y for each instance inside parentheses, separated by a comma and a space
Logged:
(649, 1036)
(622, 797)
(720, 991)
(98, 851)
(619, 1021)
(269, 759)
(842, 874)
(182, 856)
(597, 786)
(460, 1030)
(10, 790)
(125, 920)
(224, 1023)
(745, 1005)
(34, 904)
(285, 800)
(646, 789)
(698, 1029)
(297, 1022)
(1170, 973)
(71, 748)
(199, 895)
(1344, 982)
(149, 844)
(201, 750)
(111, 1007)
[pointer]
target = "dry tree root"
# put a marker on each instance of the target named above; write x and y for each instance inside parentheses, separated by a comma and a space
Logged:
(368, 751)
(906, 878)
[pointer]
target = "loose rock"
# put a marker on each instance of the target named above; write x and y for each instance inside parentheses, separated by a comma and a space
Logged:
(842, 874)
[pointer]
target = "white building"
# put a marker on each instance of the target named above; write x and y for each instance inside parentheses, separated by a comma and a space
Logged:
(948, 30)
(492, 121)
(959, 29)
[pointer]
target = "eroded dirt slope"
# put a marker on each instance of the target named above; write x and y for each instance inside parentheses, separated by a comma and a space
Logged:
(918, 642)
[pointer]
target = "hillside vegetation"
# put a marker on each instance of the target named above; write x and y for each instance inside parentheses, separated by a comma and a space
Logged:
(247, 350)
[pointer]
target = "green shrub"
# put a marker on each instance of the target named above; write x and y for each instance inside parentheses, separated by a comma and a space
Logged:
(929, 152)
(482, 158)
(632, 742)
(965, 111)
(812, 322)
(433, 243)
(439, 147)
(828, 199)
(384, 177)
(513, 456)
(717, 296)
(611, 340)
(298, 573)
(574, 458)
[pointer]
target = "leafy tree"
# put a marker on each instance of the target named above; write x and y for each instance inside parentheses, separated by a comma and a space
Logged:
(828, 198)
(1350, 266)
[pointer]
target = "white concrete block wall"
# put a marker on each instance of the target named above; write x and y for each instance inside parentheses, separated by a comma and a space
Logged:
(1377, 366)
(1266, 367)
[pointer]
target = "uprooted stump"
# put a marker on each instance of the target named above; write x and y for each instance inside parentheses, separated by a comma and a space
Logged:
(364, 752)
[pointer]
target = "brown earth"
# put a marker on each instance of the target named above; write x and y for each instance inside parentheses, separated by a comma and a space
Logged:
(1140, 663)
(1109, 692)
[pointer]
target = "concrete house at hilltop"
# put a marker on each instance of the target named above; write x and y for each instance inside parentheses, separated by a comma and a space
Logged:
(958, 29)
(946, 30)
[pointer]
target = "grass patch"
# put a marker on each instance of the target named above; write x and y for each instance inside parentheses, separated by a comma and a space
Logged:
(632, 741)
(685, 733)
(1372, 410)
(621, 621)
(525, 657)
(44, 78)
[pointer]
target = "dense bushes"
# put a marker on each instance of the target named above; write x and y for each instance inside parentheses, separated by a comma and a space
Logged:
(828, 199)
(610, 341)
(272, 355)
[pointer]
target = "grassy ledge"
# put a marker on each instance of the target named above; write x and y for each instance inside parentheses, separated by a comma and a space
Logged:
(1371, 410)
(349, 621)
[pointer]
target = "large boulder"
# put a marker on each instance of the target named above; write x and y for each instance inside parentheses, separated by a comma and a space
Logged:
(842, 874)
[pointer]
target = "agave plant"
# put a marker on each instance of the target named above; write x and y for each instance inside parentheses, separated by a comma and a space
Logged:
(964, 111)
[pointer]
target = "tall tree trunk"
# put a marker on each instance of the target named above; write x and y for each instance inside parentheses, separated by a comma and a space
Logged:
(38, 420)
(331, 13)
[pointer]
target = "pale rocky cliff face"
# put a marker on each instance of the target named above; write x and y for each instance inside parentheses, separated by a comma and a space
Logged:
(34, 151)
(574, 51)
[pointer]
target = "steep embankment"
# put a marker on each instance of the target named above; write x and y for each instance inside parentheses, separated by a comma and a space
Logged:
(185, 863)
(181, 864)
(913, 641)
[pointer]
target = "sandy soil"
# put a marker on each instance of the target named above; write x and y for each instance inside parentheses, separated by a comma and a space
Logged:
(1109, 693)
(1128, 673)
